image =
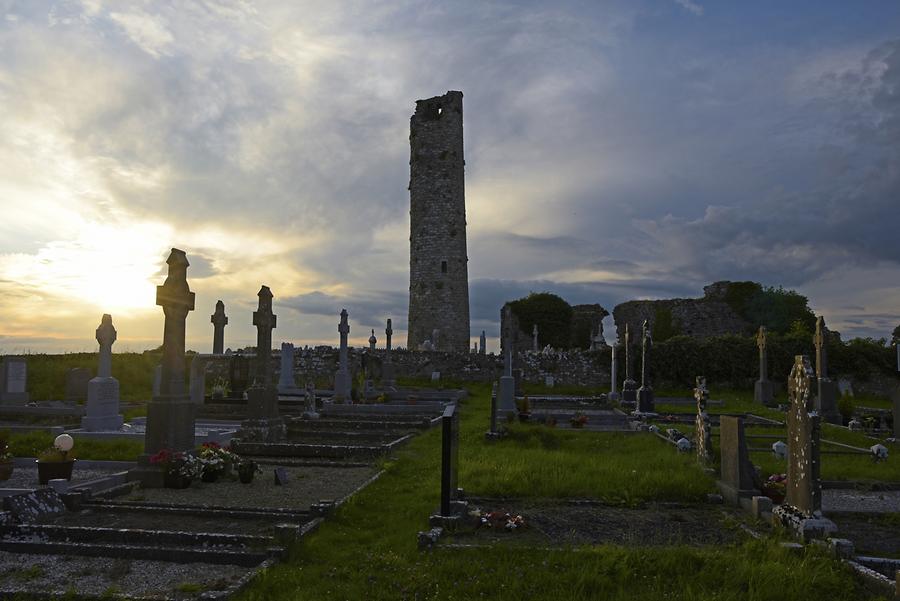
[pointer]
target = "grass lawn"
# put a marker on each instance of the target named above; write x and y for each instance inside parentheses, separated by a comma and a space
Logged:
(368, 549)
(32, 443)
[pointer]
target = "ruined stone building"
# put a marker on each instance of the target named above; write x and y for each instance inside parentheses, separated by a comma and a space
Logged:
(704, 317)
(438, 271)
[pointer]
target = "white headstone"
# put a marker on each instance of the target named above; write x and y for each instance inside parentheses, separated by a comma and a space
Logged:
(286, 379)
(101, 411)
(14, 380)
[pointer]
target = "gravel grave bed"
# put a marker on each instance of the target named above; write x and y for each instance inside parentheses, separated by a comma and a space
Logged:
(305, 486)
(59, 574)
(27, 477)
(838, 500)
(871, 533)
(553, 524)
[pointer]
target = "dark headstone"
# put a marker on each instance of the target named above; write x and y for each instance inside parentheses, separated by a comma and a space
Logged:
(281, 476)
(219, 321)
(449, 459)
(77, 380)
(238, 374)
(738, 475)
(38, 505)
(897, 413)
(763, 388)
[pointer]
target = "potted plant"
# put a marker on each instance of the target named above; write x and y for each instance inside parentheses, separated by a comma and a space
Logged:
(56, 462)
(179, 469)
(6, 458)
(215, 461)
(246, 469)
(219, 389)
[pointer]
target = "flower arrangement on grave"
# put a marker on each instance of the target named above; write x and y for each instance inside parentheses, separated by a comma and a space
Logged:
(775, 487)
(57, 461)
(498, 520)
(179, 468)
(578, 420)
(215, 460)
(220, 389)
(6, 458)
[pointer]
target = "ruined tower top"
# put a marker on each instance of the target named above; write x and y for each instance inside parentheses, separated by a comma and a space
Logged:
(438, 260)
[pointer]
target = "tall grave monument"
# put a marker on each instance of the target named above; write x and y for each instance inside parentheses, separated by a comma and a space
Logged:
(170, 415)
(645, 392)
(826, 400)
(286, 381)
(763, 390)
(802, 510)
(629, 386)
(702, 429)
(219, 321)
(263, 423)
(387, 369)
(482, 343)
(613, 394)
(102, 406)
(342, 377)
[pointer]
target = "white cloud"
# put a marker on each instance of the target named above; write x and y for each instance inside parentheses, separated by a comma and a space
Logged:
(690, 6)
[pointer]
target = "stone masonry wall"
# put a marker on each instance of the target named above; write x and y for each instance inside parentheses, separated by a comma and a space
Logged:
(438, 260)
(318, 364)
(698, 317)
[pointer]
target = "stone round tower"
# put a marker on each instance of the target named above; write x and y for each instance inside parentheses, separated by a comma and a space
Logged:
(438, 270)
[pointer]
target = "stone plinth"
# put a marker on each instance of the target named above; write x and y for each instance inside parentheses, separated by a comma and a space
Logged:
(645, 400)
(826, 401)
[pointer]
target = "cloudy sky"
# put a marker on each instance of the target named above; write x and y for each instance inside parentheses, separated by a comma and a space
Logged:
(614, 150)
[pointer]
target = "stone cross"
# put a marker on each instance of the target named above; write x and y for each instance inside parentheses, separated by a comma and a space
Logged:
(388, 332)
(171, 414)
(534, 338)
(482, 344)
(645, 398)
(176, 299)
(804, 487)
(106, 335)
(612, 371)
(265, 321)
(645, 348)
(819, 340)
(342, 377)
(826, 400)
(763, 363)
(372, 340)
(219, 321)
(702, 431)
(627, 340)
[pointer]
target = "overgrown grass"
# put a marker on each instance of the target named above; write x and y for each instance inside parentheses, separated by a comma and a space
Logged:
(47, 373)
(32, 443)
(367, 550)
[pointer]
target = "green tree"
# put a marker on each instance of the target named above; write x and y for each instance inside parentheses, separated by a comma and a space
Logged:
(552, 314)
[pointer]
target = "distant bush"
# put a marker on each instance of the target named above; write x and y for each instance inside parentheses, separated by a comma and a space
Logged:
(776, 308)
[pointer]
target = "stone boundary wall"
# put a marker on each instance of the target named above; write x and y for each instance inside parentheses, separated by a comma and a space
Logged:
(319, 364)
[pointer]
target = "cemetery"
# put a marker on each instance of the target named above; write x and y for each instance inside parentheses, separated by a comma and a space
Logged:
(729, 445)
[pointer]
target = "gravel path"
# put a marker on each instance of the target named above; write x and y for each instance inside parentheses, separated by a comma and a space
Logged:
(59, 574)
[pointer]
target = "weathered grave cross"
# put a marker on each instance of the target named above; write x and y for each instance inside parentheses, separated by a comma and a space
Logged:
(265, 322)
